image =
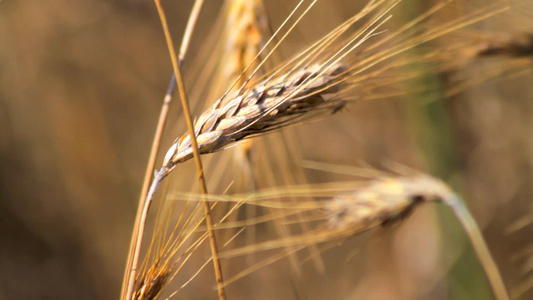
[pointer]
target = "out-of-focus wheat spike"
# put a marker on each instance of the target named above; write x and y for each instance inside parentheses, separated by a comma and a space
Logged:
(247, 32)
(243, 32)
(368, 204)
(506, 46)
(391, 199)
(168, 253)
(384, 201)
(380, 201)
(494, 56)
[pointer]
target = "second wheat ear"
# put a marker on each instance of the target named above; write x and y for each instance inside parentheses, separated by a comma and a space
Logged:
(388, 199)
(351, 208)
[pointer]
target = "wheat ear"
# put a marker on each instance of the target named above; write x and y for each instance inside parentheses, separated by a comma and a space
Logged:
(389, 199)
(268, 106)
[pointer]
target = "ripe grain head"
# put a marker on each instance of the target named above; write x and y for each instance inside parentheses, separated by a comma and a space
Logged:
(385, 201)
(268, 106)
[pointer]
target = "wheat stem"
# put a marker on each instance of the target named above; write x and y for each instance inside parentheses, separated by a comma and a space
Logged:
(193, 17)
(196, 153)
(482, 251)
(144, 200)
(142, 210)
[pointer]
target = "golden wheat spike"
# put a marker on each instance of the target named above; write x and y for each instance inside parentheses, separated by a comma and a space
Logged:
(267, 106)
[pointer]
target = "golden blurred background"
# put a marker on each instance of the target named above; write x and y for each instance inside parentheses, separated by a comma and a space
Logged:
(80, 91)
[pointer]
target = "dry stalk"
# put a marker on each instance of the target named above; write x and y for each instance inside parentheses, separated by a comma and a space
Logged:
(511, 54)
(195, 151)
(148, 288)
(144, 203)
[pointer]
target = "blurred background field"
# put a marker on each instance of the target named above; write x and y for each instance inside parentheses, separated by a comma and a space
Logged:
(80, 89)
